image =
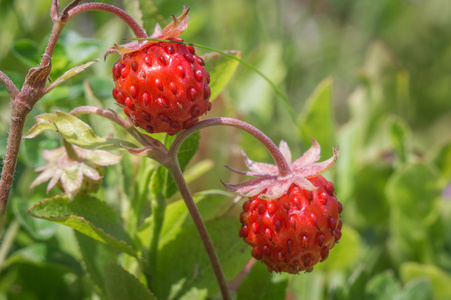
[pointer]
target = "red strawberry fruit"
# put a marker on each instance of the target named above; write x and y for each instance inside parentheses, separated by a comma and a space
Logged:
(162, 86)
(290, 222)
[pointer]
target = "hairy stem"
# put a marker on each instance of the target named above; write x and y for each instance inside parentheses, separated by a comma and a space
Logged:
(12, 152)
(134, 26)
(282, 164)
(174, 168)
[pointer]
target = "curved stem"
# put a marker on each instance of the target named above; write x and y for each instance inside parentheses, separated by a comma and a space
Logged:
(54, 36)
(143, 139)
(135, 27)
(174, 168)
(282, 164)
(9, 85)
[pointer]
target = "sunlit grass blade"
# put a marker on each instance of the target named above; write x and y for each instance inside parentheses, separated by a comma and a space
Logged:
(278, 92)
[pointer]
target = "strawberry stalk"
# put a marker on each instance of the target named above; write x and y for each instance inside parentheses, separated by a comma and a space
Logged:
(174, 168)
(134, 26)
(282, 164)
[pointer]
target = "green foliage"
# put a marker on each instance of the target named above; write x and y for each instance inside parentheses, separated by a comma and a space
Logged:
(260, 284)
(119, 284)
(87, 215)
(317, 119)
(369, 77)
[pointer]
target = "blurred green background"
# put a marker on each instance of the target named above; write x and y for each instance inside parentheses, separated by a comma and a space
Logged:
(370, 76)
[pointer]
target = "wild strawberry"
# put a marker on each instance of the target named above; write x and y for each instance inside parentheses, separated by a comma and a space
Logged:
(291, 222)
(162, 86)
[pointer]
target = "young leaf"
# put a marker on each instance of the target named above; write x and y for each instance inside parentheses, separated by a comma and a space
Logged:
(317, 118)
(75, 132)
(261, 284)
(221, 70)
(68, 74)
(120, 285)
(89, 216)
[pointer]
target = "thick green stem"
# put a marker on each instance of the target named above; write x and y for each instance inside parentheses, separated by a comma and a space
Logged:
(158, 211)
(8, 240)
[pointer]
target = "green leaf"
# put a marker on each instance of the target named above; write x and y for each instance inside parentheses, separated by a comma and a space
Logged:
(89, 216)
(145, 13)
(162, 181)
(441, 280)
(27, 51)
(413, 194)
(308, 286)
(345, 253)
(43, 255)
(414, 191)
(317, 118)
(120, 285)
(78, 48)
(256, 96)
(419, 289)
(357, 283)
(75, 132)
(221, 70)
(60, 59)
(442, 159)
(383, 286)
(39, 229)
(177, 217)
(370, 199)
(195, 294)
(68, 74)
(184, 257)
(96, 256)
(261, 284)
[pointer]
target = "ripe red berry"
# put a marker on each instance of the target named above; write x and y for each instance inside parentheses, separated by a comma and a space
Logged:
(291, 221)
(162, 86)
(296, 231)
